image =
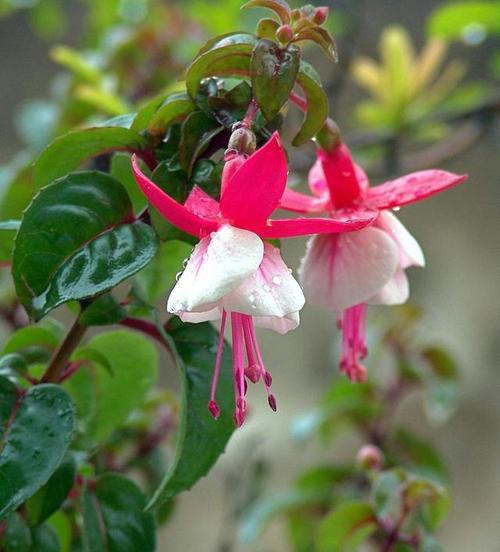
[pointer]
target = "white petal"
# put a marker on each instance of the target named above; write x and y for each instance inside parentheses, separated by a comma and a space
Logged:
(279, 324)
(218, 264)
(342, 270)
(270, 291)
(196, 317)
(411, 252)
(395, 292)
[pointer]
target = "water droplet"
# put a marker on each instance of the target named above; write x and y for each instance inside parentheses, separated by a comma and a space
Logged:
(185, 262)
(177, 276)
(267, 288)
(397, 209)
(277, 280)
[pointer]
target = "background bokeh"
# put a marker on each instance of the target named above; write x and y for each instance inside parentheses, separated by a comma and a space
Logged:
(459, 232)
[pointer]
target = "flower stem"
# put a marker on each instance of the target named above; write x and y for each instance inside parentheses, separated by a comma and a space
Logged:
(250, 114)
(63, 353)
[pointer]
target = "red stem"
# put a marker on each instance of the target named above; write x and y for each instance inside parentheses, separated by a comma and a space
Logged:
(299, 101)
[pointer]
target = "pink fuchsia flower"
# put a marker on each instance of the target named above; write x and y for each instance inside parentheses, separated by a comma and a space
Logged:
(231, 270)
(345, 272)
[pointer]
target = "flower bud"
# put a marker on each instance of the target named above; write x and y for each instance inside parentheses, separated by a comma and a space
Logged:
(329, 137)
(370, 458)
(284, 33)
(242, 141)
(320, 15)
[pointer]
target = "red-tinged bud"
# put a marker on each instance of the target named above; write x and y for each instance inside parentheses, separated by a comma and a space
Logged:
(272, 402)
(320, 15)
(370, 458)
(252, 372)
(214, 409)
(284, 33)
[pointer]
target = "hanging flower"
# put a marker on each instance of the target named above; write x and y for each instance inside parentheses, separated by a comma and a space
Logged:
(345, 272)
(231, 270)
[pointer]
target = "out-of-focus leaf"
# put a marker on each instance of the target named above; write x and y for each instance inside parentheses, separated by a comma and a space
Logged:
(35, 343)
(101, 100)
(317, 103)
(398, 56)
(78, 238)
(279, 7)
(346, 527)
(158, 277)
(470, 21)
(419, 455)
(270, 507)
(221, 58)
(45, 539)
(69, 151)
(17, 534)
(134, 365)
(114, 517)
(273, 71)
(62, 526)
(49, 498)
(37, 426)
(387, 494)
(76, 63)
(200, 439)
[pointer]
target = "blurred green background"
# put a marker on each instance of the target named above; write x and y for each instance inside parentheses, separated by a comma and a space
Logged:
(458, 231)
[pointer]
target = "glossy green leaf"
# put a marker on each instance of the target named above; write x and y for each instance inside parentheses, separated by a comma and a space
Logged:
(69, 151)
(78, 238)
(196, 132)
(280, 7)
(471, 21)
(200, 438)
(134, 363)
(273, 71)
(17, 536)
(158, 277)
(49, 498)
(114, 517)
(146, 112)
(317, 103)
(45, 539)
(223, 57)
(10, 224)
(173, 108)
(103, 311)
(37, 427)
(346, 527)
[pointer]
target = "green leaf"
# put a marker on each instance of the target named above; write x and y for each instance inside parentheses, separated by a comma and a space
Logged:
(346, 527)
(280, 7)
(228, 56)
(17, 534)
(470, 21)
(196, 132)
(37, 427)
(121, 169)
(317, 103)
(273, 71)
(386, 494)
(270, 507)
(62, 526)
(266, 28)
(35, 343)
(10, 225)
(103, 311)
(114, 517)
(200, 439)
(49, 498)
(78, 238)
(146, 112)
(134, 363)
(158, 277)
(45, 539)
(173, 108)
(69, 151)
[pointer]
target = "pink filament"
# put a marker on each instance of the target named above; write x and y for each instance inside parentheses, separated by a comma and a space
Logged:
(353, 326)
(212, 405)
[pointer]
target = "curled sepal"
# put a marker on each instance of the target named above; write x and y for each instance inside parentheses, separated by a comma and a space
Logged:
(321, 37)
(273, 71)
(279, 7)
(227, 56)
(317, 103)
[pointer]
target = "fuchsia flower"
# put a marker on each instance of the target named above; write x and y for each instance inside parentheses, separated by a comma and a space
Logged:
(345, 272)
(231, 270)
